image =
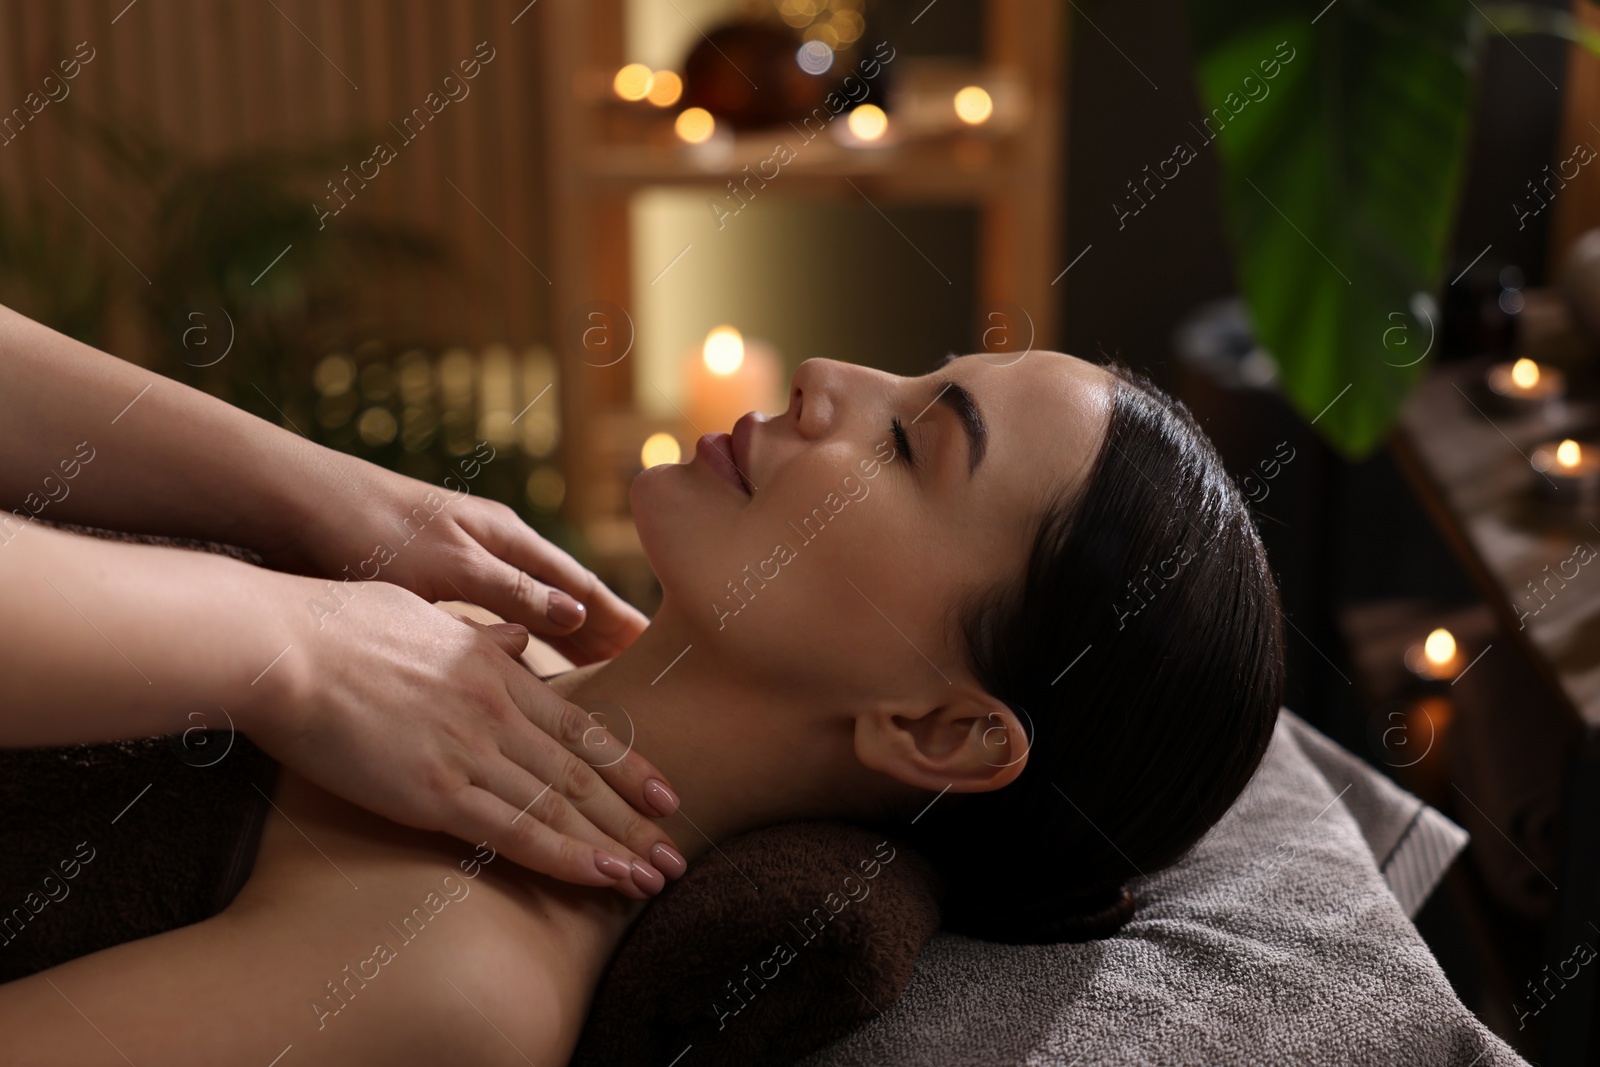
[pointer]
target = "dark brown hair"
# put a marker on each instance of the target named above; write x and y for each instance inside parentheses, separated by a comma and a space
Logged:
(1142, 649)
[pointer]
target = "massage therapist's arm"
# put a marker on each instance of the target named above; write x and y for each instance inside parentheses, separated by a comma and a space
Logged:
(93, 439)
(392, 703)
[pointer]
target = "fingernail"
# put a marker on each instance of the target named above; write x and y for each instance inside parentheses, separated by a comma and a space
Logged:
(609, 865)
(510, 629)
(667, 860)
(648, 878)
(563, 610)
(660, 797)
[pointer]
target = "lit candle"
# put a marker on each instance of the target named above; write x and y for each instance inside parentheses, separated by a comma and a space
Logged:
(1436, 659)
(1571, 471)
(730, 376)
(1526, 385)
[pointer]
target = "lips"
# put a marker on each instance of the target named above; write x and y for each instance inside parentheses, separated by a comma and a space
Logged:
(716, 451)
(743, 430)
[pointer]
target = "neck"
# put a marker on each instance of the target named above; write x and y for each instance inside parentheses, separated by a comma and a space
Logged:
(738, 758)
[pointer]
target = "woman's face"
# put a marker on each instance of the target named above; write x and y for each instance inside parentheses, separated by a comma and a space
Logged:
(828, 547)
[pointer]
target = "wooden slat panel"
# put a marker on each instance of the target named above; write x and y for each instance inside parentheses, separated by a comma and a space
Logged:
(213, 78)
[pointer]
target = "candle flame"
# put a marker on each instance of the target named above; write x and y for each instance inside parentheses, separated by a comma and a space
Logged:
(1440, 647)
(868, 122)
(1568, 453)
(724, 350)
(973, 105)
(1525, 373)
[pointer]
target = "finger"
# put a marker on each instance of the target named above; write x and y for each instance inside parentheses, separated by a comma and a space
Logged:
(518, 597)
(593, 738)
(480, 815)
(547, 804)
(611, 623)
(510, 636)
(592, 799)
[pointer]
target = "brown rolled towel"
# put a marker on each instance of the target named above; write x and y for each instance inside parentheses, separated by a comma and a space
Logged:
(780, 941)
(107, 843)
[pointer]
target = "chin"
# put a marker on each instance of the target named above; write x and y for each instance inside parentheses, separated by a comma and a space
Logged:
(678, 523)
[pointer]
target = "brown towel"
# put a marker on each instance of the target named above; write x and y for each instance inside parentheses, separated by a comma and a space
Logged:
(102, 844)
(780, 941)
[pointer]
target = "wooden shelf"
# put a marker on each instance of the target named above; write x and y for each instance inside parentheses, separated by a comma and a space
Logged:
(603, 153)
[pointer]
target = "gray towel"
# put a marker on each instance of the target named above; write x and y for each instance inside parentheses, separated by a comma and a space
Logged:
(1276, 941)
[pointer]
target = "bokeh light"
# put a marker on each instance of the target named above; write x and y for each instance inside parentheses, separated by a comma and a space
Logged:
(633, 81)
(660, 448)
(724, 350)
(868, 122)
(665, 88)
(1525, 372)
(814, 57)
(973, 105)
(695, 125)
(1440, 647)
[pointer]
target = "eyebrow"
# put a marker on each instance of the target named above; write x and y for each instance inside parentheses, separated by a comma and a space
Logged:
(955, 397)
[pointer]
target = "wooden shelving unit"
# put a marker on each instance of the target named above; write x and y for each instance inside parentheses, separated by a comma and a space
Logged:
(600, 160)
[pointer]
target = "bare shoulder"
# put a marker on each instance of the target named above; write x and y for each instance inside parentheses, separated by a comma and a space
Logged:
(414, 933)
(354, 941)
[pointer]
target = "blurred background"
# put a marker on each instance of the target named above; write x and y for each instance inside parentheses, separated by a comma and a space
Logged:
(587, 232)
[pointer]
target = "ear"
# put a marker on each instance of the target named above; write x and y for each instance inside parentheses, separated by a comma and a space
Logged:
(968, 743)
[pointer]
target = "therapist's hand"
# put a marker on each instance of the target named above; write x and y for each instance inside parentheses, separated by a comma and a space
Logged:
(361, 522)
(430, 720)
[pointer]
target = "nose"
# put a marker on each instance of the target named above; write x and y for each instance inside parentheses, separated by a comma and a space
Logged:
(811, 396)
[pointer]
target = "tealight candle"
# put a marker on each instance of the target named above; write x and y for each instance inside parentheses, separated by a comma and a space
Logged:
(1436, 659)
(729, 376)
(1526, 385)
(1571, 471)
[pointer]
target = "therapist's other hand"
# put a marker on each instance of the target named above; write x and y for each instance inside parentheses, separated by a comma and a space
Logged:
(430, 720)
(360, 522)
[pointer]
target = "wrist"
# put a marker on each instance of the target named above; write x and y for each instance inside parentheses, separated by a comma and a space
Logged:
(273, 698)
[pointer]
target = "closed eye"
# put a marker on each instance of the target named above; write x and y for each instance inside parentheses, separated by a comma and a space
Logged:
(902, 443)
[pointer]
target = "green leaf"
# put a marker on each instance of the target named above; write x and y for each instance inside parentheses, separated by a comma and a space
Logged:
(1342, 145)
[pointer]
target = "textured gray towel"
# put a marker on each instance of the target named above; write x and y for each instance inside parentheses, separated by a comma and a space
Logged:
(1277, 940)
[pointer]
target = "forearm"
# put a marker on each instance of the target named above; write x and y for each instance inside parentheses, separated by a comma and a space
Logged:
(93, 439)
(101, 640)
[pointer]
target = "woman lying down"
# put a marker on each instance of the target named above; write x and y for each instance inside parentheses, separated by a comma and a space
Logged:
(1014, 608)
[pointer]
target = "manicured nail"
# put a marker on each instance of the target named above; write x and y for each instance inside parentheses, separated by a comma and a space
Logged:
(563, 610)
(510, 629)
(660, 797)
(610, 866)
(648, 878)
(667, 860)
